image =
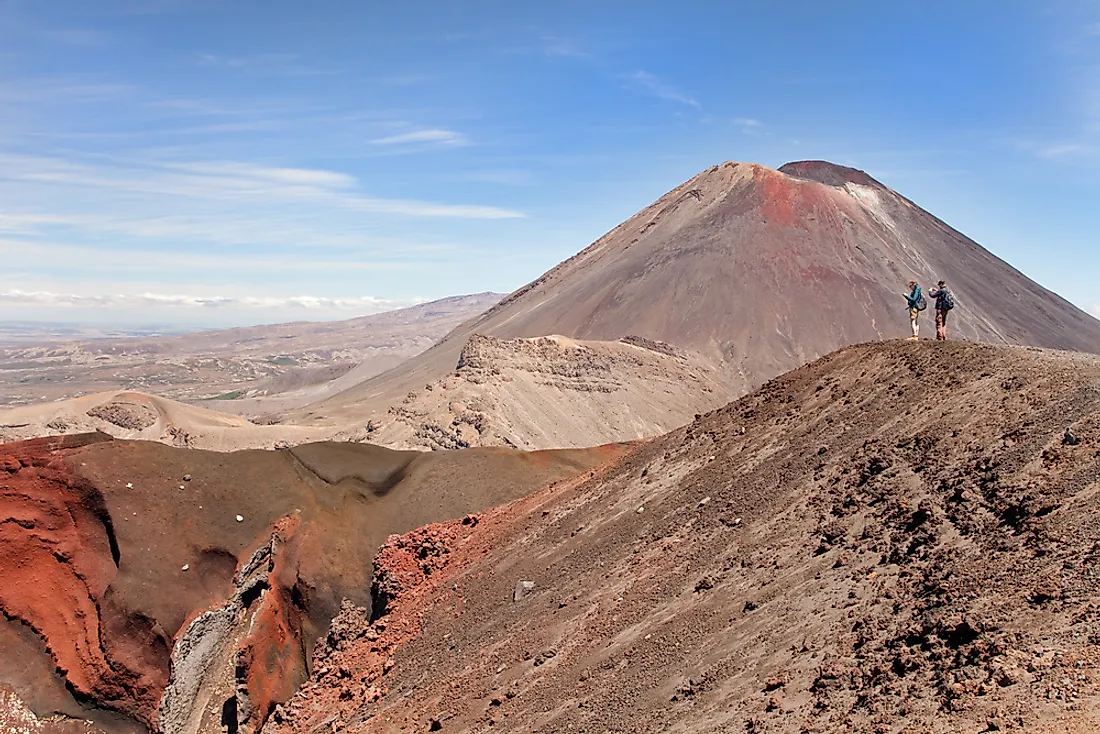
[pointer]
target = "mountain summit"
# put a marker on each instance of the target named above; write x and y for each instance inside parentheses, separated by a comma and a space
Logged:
(757, 271)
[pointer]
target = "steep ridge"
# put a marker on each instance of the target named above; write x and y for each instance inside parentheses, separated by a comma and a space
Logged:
(175, 588)
(551, 391)
(897, 537)
(757, 271)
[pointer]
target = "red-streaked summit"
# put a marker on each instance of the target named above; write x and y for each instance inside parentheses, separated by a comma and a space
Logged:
(758, 271)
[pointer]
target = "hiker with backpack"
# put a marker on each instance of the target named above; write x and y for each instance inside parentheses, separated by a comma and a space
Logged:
(944, 303)
(916, 302)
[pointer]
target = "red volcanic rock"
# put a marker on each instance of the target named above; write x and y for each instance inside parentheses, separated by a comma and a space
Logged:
(408, 569)
(156, 603)
(58, 557)
(414, 572)
(271, 662)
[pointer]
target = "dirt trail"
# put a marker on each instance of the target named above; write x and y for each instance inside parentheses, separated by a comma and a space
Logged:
(896, 538)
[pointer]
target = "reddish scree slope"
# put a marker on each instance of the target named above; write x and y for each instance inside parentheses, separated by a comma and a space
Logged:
(759, 271)
(896, 538)
(112, 552)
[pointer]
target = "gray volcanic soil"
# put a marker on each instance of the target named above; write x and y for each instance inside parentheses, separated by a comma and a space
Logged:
(896, 538)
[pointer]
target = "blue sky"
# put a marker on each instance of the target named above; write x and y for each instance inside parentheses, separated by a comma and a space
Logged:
(230, 161)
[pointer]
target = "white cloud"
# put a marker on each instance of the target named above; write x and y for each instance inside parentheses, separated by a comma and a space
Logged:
(661, 89)
(222, 181)
(70, 89)
(160, 300)
(443, 137)
(98, 259)
(1064, 150)
(748, 124)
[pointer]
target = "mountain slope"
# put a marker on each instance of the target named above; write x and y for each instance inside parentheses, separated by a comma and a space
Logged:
(757, 271)
(895, 538)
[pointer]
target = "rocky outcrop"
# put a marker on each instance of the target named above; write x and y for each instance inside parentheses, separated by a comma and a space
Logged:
(233, 664)
(552, 392)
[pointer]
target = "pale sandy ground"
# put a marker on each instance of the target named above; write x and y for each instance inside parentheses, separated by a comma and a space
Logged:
(138, 416)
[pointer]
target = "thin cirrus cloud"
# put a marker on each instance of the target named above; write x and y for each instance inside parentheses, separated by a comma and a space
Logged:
(96, 259)
(661, 89)
(218, 227)
(748, 124)
(361, 304)
(442, 137)
(229, 181)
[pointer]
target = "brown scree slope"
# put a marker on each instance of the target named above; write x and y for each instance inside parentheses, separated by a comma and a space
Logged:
(896, 538)
(118, 557)
(757, 271)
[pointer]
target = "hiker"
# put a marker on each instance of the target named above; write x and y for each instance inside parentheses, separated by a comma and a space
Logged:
(916, 302)
(944, 303)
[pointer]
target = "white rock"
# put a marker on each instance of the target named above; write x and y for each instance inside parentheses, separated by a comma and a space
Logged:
(240, 518)
(523, 588)
(186, 566)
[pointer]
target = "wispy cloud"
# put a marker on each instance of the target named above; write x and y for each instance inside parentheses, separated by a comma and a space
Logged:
(659, 88)
(268, 64)
(222, 181)
(1074, 150)
(442, 137)
(67, 89)
(89, 258)
(563, 49)
(161, 300)
(748, 124)
(1064, 149)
